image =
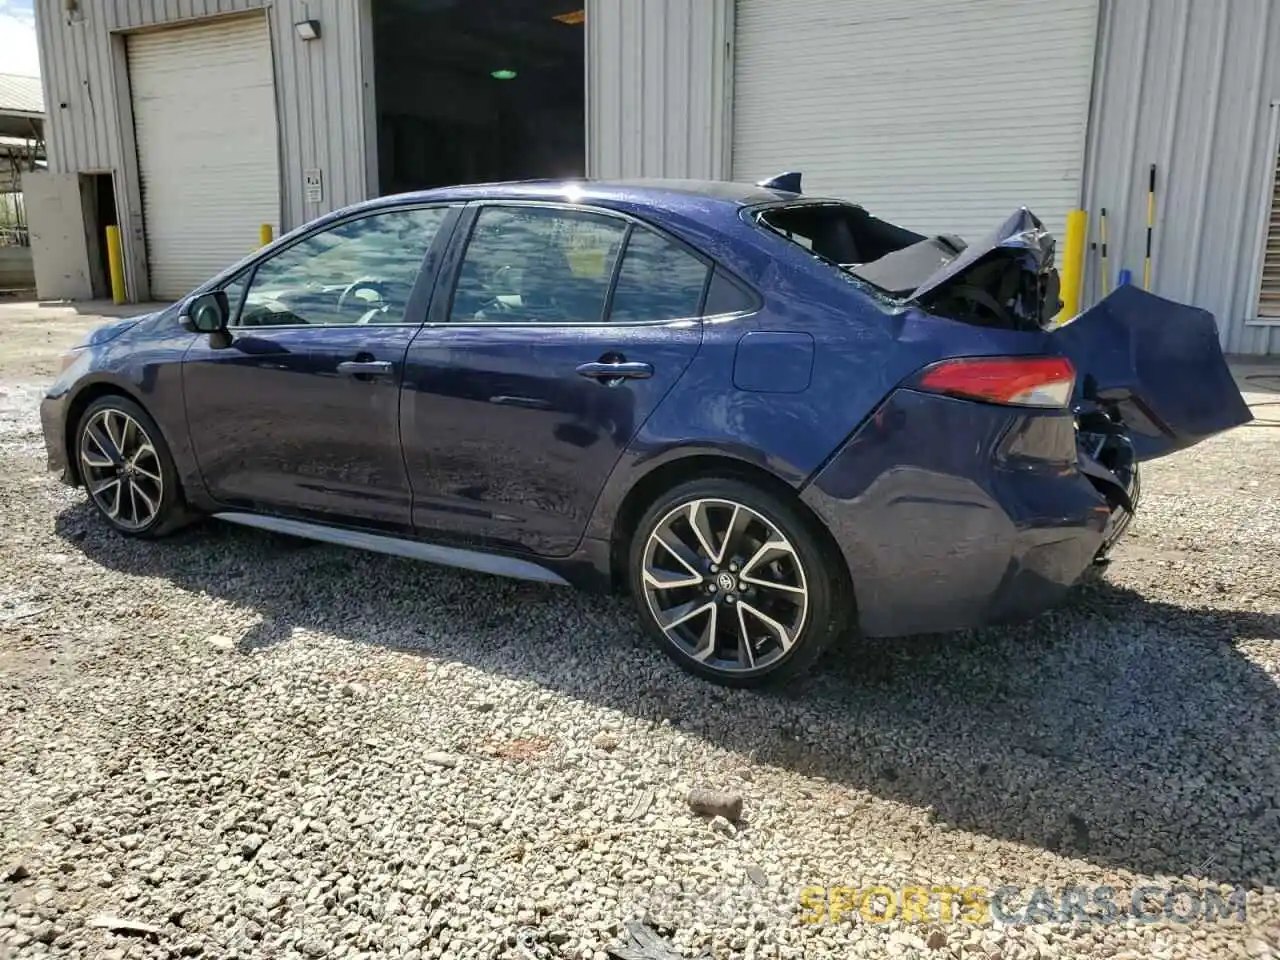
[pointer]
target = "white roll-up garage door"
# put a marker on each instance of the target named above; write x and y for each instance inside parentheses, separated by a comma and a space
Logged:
(940, 115)
(204, 115)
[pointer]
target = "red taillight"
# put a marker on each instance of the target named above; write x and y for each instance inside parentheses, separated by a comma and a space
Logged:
(1021, 381)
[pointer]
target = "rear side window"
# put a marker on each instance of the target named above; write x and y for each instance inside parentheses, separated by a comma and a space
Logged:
(658, 280)
(725, 295)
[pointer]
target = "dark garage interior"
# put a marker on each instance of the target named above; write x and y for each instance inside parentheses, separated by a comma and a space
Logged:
(478, 90)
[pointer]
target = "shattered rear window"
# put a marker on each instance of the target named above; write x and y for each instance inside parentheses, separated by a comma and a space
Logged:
(842, 233)
(891, 260)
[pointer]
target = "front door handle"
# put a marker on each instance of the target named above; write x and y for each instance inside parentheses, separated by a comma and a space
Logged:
(365, 368)
(617, 370)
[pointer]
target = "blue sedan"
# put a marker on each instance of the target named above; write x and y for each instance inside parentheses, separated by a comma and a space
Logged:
(769, 417)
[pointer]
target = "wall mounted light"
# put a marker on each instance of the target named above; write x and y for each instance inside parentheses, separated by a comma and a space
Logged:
(308, 29)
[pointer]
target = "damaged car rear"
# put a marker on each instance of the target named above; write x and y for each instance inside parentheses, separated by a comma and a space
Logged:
(992, 479)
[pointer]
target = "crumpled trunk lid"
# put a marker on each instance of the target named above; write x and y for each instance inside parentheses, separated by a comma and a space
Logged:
(1007, 279)
(1156, 364)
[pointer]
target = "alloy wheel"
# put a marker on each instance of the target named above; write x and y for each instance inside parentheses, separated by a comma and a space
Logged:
(121, 469)
(725, 584)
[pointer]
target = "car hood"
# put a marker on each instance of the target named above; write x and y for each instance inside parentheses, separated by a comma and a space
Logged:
(1158, 363)
(108, 332)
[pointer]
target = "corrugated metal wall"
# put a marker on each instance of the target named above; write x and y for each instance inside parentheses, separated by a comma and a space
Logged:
(1186, 85)
(658, 87)
(324, 102)
(840, 92)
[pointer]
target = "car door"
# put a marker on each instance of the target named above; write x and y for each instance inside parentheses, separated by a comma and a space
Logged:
(299, 412)
(556, 333)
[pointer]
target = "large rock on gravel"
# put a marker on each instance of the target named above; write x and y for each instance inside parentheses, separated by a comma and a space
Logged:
(715, 803)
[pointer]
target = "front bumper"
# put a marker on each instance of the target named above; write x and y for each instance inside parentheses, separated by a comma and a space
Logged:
(953, 514)
(53, 420)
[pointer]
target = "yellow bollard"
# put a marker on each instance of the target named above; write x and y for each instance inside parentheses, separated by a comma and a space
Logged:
(115, 263)
(265, 234)
(1071, 273)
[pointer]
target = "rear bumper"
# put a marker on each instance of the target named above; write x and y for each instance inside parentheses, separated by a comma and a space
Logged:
(53, 420)
(952, 514)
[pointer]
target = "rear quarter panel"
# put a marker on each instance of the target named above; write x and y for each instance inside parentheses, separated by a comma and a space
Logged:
(863, 346)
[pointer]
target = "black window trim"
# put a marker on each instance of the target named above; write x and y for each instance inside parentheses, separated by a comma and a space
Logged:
(429, 269)
(446, 288)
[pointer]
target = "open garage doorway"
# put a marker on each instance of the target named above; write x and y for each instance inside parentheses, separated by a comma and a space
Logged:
(478, 90)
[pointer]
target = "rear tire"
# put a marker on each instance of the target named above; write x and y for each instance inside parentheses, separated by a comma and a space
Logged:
(734, 584)
(127, 469)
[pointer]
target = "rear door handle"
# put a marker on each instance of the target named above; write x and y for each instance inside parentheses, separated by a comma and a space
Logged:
(618, 370)
(365, 368)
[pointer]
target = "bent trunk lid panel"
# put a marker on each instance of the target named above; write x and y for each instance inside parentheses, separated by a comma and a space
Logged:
(1021, 232)
(1160, 363)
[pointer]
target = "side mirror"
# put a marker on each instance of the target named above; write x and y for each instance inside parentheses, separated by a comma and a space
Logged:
(207, 313)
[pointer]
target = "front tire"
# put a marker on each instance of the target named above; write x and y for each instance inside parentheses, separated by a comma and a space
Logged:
(127, 469)
(734, 584)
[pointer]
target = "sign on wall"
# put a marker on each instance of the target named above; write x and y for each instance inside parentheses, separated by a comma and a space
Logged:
(314, 185)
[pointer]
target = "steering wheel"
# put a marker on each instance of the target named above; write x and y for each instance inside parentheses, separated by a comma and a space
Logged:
(348, 297)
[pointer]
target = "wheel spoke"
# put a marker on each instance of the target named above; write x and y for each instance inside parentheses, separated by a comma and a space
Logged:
(153, 477)
(117, 443)
(103, 486)
(770, 546)
(101, 440)
(99, 460)
(731, 532)
(99, 492)
(784, 637)
(677, 548)
(145, 449)
(133, 501)
(128, 428)
(746, 655)
(773, 585)
(136, 490)
(667, 580)
(701, 530)
(686, 611)
(707, 642)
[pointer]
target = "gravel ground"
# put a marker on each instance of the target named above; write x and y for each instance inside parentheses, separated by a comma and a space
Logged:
(259, 747)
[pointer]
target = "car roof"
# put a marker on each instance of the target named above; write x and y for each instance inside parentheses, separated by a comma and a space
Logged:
(642, 192)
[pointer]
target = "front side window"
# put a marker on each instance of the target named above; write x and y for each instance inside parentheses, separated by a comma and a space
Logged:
(537, 265)
(358, 272)
(234, 289)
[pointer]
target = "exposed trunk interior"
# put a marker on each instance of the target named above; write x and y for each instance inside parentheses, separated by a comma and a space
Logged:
(1008, 280)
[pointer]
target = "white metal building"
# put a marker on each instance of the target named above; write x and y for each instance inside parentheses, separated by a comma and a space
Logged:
(209, 117)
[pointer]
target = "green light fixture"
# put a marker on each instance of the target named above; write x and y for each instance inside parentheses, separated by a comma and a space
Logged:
(503, 74)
